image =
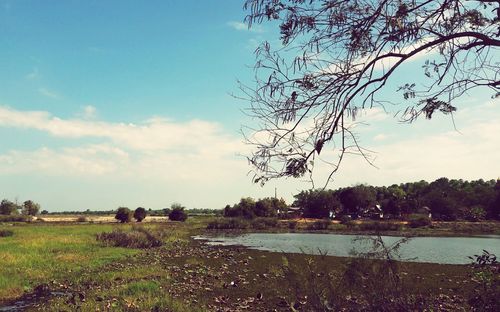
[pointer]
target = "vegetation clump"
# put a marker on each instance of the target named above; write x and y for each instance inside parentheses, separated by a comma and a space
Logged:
(6, 233)
(416, 221)
(319, 225)
(123, 214)
(177, 213)
(140, 214)
(138, 237)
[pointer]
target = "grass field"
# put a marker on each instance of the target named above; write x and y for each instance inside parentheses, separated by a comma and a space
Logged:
(183, 274)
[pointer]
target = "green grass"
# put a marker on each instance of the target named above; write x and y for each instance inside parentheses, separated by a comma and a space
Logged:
(38, 253)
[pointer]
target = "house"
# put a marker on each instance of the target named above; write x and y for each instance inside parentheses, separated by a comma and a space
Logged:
(373, 212)
(424, 210)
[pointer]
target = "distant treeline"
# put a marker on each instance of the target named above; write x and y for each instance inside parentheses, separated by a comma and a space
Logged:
(150, 212)
(444, 199)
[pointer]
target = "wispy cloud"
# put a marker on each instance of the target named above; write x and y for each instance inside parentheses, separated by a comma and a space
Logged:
(34, 74)
(49, 93)
(88, 112)
(244, 27)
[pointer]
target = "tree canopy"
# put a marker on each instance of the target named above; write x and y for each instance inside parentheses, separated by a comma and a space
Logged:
(335, 58)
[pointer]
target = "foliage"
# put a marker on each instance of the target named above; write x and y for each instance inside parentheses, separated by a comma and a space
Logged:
(228, 224)
(30, 208)
(474, 214)
(336, 59)
(356, 198)
(419, 220)
(319, 225)
(177, 213)
(123, 214)
(140, 214)
(317, 203)
(138, 237)
(377, 226)
(486, 277)
(14, 218)
(82, 219)
(6, 233)
(248, 208)
(8, 208)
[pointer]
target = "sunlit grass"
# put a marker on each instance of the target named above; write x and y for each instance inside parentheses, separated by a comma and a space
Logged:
(38, 253)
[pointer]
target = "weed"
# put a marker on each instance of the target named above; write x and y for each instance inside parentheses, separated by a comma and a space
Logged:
(319, 225)
(138, 237)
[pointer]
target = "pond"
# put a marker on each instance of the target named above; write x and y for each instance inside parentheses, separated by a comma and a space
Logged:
(444, 250)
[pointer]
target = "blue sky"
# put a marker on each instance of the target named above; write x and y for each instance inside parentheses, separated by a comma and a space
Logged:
(109, 103)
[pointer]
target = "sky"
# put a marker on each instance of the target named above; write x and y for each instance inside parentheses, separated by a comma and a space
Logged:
(123, 103)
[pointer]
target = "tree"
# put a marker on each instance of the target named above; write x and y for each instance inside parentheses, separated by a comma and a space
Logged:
(336, 58)
(7, 207)
(355, 198)
(317, 203)
(177, 213)
(140, 214)
(30, 208)
(123, 214)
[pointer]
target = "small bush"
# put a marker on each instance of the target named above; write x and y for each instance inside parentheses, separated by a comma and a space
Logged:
(82, 219)
(228, 224)
(415, 221)
(264, 223)
(380, 226)
(178, 214)
(319, 225)
(6, 233)
(14, 218)
(292, 225)
(138, 237)
(344, 219)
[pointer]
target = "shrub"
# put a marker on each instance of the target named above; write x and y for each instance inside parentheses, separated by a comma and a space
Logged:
(344, 219)
(14, 218)
(319, 225)
(177, 213)
(228, 224)
(140, 214)
(264, 223)
(82, 219)
(417, 220)
(138, 237)
(6, 233)
(123, 214)
(292, 225)
(380, 226)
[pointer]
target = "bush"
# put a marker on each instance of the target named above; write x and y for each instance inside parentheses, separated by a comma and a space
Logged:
(6, 233)
(292, 225)
(82, 219)
(264, 223)
(344, 219)
(14, 218)
(177, 214)
(123, 214)
(138, 237)
(140, 214)
(228, 224)
(319, 225)
(380, 226)
(417, 220)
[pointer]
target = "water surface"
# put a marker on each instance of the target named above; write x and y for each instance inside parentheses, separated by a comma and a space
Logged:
(445, 250)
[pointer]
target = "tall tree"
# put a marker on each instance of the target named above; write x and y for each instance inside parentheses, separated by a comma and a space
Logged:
(336, 57)
(30, 208)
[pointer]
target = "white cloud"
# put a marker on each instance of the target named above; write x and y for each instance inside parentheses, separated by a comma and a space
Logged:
(88, 112)
(161, 148)
(49, 93)
(244, 27)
